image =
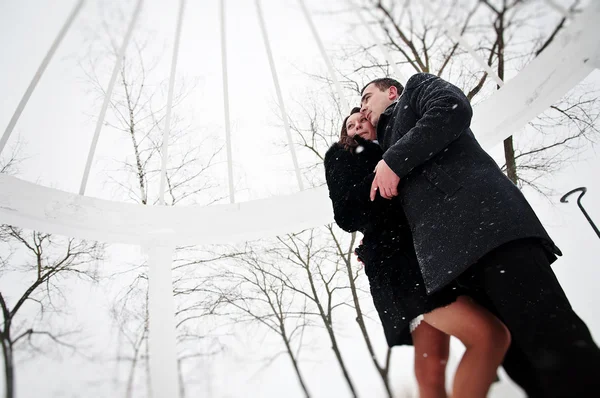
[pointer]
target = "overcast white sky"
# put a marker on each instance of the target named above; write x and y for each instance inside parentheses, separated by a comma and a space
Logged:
(57, 132)
(56, 129)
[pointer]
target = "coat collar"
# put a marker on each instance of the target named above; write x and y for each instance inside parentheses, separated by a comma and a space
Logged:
(390, 109)
(384, 118)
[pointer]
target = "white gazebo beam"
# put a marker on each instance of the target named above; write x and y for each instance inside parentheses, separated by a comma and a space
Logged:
(561, 66)
(33, 206)
(167, 128)
(38, 75)
(345, 107)
(108, 95)
(566, 61)
(226, 103)
(284, 116)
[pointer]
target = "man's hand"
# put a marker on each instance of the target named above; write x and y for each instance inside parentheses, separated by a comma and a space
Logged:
(386, 181)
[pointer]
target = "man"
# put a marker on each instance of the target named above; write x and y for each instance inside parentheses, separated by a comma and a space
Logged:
(473, 227)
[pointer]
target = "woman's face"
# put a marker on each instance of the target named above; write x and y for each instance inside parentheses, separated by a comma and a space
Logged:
(357, 124)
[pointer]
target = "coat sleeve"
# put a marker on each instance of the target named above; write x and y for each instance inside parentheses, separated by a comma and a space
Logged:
(349, 187)
(444, 112)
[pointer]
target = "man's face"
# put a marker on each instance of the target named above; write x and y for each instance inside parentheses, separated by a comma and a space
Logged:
(374, 101)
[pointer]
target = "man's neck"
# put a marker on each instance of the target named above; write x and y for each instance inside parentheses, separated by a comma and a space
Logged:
(386, 107)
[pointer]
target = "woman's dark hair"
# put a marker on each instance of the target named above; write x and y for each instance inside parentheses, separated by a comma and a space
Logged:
(348, 142)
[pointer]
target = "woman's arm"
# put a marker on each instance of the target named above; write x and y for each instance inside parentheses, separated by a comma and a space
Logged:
(349, 182)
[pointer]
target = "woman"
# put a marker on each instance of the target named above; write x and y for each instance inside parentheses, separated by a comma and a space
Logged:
(407, 313)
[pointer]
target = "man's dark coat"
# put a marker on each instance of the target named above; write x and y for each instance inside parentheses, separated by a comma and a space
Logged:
(457, 201)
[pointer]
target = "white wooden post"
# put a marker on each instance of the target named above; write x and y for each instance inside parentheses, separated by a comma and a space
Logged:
(164, 379)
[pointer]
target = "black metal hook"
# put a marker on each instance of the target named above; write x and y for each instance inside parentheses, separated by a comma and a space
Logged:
(583, 190)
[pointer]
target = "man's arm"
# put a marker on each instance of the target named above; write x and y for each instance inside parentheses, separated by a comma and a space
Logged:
(445, 112)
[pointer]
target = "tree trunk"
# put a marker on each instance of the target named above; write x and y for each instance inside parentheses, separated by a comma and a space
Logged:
(9, 370)
(329, 327)
(511, 164)
(133, 367)
(509, 150)
(181, 381)
(140, 168)
(338, 355)
(383, 371)
(294, 361)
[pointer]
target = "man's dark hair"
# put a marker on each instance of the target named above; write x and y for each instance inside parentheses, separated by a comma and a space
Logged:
(383, 83)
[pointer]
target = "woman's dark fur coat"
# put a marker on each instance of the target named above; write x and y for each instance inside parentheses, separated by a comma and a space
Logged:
(387, 251)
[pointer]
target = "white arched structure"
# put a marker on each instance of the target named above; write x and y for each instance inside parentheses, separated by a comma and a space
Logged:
(566, 62)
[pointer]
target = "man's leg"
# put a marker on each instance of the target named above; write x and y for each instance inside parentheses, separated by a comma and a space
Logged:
(552, 347)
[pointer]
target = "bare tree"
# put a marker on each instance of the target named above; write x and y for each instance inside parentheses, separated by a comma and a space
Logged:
(323, 278)
(285, 285)
(47, 263)
(38, 266)
(316, 127)
(250, 289)
(506, 34)
(345, 254)
(138, 111)
(196, 269)
(9, 164)
(129, 313)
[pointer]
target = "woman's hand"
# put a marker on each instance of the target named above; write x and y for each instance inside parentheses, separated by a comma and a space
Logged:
(357, 256)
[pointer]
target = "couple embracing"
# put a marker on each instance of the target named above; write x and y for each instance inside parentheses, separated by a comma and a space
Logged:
(452, 248)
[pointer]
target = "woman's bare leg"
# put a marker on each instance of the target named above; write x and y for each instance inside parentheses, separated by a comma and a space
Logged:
(486, 340)
(431, 355)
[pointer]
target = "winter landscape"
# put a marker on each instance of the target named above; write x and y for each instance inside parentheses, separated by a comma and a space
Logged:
(263, 296)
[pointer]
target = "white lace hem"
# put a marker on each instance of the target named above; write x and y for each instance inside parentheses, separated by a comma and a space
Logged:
(415, 323)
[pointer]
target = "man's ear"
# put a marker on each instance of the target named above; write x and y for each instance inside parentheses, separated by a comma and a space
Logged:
(392, 93)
